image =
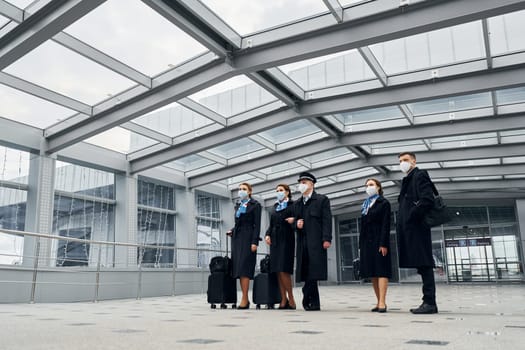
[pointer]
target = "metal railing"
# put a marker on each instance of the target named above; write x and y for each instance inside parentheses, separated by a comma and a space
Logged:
(36, 260)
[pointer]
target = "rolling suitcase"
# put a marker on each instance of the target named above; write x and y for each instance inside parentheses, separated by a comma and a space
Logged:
(265, 286)
(222, 287)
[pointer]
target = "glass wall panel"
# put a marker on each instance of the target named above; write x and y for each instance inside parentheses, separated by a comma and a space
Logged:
(14, 170)
(348, 248)
(83, 219)
(84, 208)
(155, 229)
(156, 223)
(467, 216)
(208, 227)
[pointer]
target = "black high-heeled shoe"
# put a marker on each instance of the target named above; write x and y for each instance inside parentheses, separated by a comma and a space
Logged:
(247, 306)
(283, 307)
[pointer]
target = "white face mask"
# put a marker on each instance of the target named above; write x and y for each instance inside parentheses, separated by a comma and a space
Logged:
(280, 196)
(243, 194)
(371, 190)
(302, 188)
(405, 166)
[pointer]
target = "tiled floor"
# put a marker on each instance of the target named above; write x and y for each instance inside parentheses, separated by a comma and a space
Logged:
(471, 316)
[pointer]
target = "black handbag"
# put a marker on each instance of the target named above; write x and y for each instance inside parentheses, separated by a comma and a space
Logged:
(220, 264)
(265, 264)
(439, 214)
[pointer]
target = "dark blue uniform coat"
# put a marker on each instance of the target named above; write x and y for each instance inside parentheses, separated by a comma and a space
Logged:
(245, 233)
(413, 235)
(312, 261)
(375, 233)
(283, 239)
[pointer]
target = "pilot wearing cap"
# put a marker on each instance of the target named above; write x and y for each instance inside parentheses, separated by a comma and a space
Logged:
(313, 218)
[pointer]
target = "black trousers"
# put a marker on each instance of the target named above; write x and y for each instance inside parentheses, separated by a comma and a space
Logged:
(429, 285)
(311, 294)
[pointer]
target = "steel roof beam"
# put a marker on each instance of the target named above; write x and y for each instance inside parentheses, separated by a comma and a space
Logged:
(41, 26)
(390, 96)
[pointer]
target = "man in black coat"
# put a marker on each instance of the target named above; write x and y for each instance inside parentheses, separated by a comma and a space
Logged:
(414, 240)
(314, 236)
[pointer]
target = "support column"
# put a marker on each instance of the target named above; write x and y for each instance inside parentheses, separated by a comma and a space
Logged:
(520, 210)
(185, 230)
(125, 219)
(39, 208)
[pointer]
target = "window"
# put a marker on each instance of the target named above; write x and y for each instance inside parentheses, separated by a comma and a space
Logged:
(14, 168)
(156, 224)
(208, 227)
(84, 208)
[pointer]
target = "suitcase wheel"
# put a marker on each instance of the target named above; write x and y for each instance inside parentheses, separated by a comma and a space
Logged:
(213, 306)
(270, 306)
(223, 306)
(234, 306)
(258, 306)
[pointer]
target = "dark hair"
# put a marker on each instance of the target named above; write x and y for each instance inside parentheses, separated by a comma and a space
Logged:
(249, 187)
(286, 188)
(412, 154)
(378, 184)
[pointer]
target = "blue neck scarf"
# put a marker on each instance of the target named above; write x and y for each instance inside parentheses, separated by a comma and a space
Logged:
(368, 203)
(281, 205)
(242, 208)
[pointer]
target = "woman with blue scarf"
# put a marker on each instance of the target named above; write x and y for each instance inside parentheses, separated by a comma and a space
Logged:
(280, 236)
(245, 239)
(374, 241)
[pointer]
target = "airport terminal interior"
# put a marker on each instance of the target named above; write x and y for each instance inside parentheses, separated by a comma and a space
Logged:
(126, 127)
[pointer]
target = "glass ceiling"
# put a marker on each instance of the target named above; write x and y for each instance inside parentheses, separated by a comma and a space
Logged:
(436, 48)
(337, 69)
(260, 106)
(160, 43)
(247, 17)
(80, 79)
(27, 109)
(233, 96)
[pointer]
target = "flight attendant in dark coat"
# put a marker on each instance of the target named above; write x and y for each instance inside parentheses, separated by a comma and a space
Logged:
(245, 239)
(374, 241)
(314, 236)
(281, 238)
(414, 240)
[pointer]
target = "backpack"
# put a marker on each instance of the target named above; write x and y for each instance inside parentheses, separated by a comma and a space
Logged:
(438, 214)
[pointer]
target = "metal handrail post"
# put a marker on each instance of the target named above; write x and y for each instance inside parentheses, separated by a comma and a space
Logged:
(139, 284)
(35, 270)
(97, 276)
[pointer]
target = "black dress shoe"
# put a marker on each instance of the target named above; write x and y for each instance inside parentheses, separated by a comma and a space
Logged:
(247, 306)
(311, 307)
(425, 309)
(381, 310)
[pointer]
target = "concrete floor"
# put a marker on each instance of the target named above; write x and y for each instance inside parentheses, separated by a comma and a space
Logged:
(472, 316)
